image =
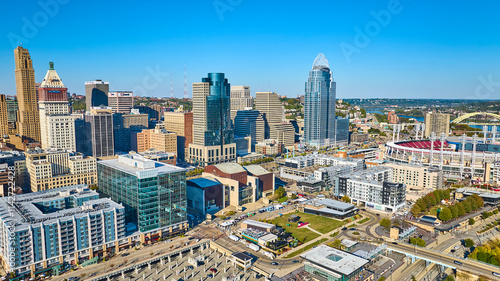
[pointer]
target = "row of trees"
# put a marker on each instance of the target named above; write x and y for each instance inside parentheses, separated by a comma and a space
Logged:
(430, 200)
(489, 253)
(417, 241)
(194, 172)
(470, 204)
(258, 161)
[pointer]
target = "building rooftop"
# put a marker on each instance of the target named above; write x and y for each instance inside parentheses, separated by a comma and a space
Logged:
(230, 168)
(203, 182)
(140, 166)
(334, 260)
(256, 170)
(242, 256)
(21, 211)
(258, 224)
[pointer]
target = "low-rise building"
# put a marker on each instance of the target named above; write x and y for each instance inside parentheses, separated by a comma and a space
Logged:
(269, 147)
(257, 225)
(204, 195)
(327, 263)
(242, 185)
(328, 208)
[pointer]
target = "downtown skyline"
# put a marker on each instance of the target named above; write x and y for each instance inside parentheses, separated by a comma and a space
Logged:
(415, 51)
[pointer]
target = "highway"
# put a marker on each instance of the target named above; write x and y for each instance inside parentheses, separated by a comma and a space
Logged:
(471, 266)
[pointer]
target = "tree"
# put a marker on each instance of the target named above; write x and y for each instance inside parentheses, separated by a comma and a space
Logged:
(346, 199)
(445, 214)
(337, 243)
(461, 209)
(413, 278)
(467, 206)
(386, 223)
(415, 210)
(280, 192)
(469, 243)
(454, 211)
(449, 278)
(472, 221)
(294, 196)
(93, 186)
(418, 241)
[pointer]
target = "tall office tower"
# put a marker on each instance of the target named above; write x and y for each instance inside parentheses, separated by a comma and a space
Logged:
(121, 102)
(4, 125)
(342, 131)
(240, 99)
(153, 193)
(181, 123)
(213, 139)
(28, 119)
(12, 109)
(319, 108)
(124, 125)
(250, 123)
(96, 93)
(57, 126)
(99, 131)
(269, 104)
(437, 123)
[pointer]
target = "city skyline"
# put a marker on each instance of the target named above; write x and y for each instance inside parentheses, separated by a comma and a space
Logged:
(405, 54)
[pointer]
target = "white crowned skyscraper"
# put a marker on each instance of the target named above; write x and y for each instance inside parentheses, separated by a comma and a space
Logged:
(319, 109)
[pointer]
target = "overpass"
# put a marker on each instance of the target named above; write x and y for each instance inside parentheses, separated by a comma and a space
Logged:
(432, 256)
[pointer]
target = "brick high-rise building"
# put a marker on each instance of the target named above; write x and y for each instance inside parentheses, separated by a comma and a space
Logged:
(181, 123)
(158, 138)
(28, 119)
(437, 123)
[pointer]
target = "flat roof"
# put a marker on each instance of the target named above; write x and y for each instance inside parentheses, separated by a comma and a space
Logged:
(258, 224)
(149, 165)
(241, 256)
(334, 260)
(348, 243)
(203, 182)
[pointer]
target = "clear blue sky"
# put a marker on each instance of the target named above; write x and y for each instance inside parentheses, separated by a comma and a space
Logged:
(426, 49)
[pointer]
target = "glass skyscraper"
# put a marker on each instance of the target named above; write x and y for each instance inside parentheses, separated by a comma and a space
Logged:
(213, 139)
(319, 109)
(153, 193)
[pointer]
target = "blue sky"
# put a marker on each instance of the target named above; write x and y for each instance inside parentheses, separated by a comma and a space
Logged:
(425, 49)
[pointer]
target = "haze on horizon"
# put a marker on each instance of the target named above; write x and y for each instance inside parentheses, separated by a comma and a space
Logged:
(382, 49)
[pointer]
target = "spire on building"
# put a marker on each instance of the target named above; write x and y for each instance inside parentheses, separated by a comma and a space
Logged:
(52, 79)
(171, 87)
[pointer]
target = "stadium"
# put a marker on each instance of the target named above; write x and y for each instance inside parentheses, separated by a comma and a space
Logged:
(459, 157)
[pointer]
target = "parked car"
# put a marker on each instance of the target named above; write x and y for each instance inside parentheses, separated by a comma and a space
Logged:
(295, 261)
(213, 270)
(274, 263)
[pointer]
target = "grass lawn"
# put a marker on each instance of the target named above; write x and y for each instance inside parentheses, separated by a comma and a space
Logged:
(318, 223)
(282, 199)
(307, 248)
(433, 210)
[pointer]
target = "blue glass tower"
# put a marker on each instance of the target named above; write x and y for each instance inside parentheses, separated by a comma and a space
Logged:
(218, 110)
(319, 109)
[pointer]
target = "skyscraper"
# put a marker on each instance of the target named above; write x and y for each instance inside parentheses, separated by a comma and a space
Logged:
(437, 123)
(181, 123)
(57, 126)
(99, 132)
(96, 93)
(319, 108)
(250, 123)
(28, 118)
(213, 140)
(12, 109)
(4, 127)
(121, 102)
(240, 99)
